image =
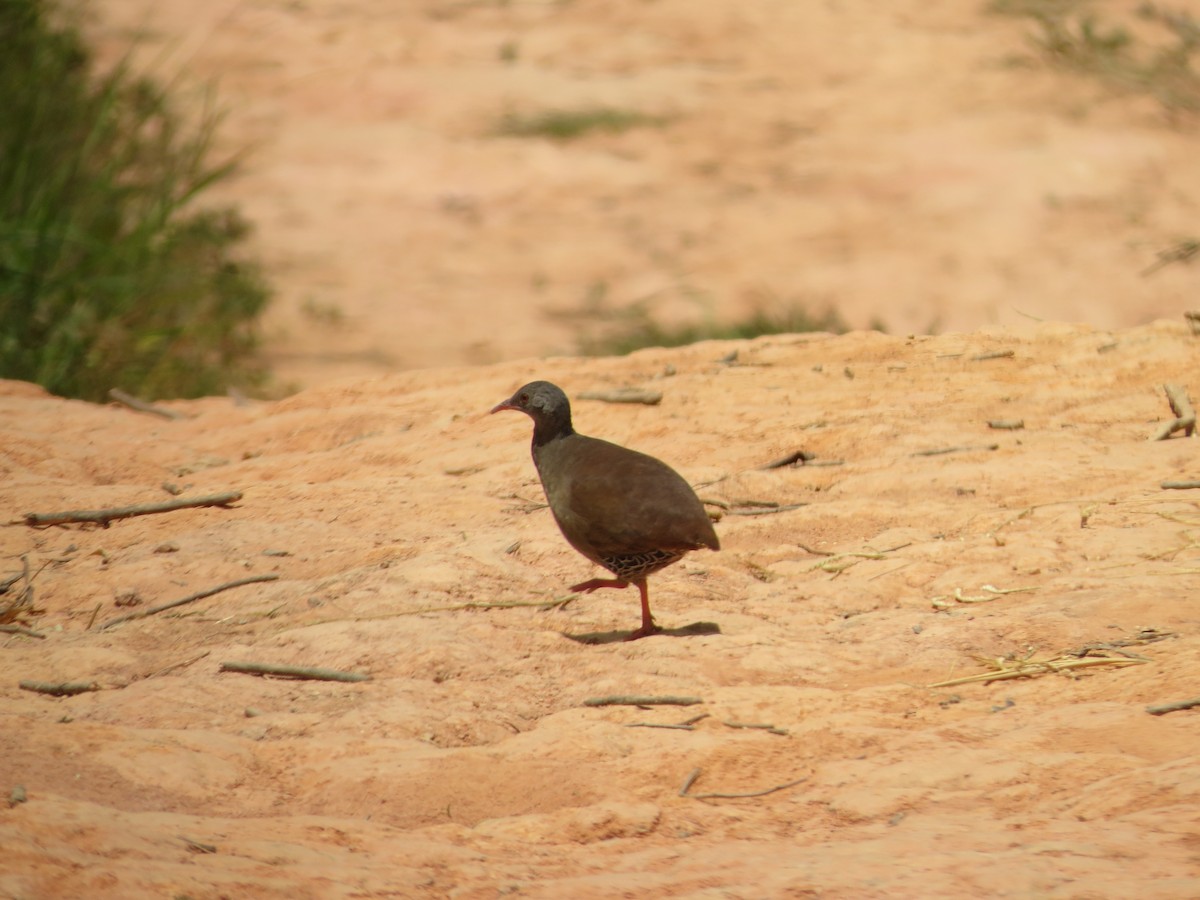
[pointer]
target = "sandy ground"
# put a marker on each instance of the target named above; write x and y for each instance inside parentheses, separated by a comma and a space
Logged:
(405, 528)
(902, 165)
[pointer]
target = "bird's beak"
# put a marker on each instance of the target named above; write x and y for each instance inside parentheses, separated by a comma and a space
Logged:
(507, 404)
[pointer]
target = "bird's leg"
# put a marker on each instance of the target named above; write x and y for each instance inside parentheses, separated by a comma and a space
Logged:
(648, 626)
(586, 587)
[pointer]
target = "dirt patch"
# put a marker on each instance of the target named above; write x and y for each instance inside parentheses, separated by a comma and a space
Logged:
(394, 512)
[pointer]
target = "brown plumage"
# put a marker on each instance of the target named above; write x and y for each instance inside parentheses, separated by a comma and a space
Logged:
(623, 510)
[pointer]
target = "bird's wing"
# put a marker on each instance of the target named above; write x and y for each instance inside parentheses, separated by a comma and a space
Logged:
(628, 502)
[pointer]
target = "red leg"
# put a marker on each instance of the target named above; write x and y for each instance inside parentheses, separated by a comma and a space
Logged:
(586, 587)
(648, 626)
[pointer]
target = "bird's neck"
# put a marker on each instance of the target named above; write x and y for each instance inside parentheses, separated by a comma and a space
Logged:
(547, 431)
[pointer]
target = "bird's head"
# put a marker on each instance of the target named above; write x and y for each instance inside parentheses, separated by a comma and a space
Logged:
(546, 404)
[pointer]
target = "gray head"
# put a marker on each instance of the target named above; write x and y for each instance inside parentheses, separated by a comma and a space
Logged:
(547, 405)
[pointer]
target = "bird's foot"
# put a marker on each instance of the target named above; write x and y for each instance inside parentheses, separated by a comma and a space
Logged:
(586, 587)
(644, 631)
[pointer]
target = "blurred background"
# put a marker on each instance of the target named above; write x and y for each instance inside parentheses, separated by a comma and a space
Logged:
(448, 182)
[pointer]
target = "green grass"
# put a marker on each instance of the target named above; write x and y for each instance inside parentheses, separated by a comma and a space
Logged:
(1156, 59)
(568, 124)
(636, 329)
(111, 273)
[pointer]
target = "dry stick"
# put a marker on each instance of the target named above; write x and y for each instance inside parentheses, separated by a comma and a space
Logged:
(994, 354)
(964, 449)
(623, 700)
(13, 579)
(765, 511)
(1185, 415)
(62, 689)
(808, 549)
(1034, 668)
(1179, 485)
(691, 779)
(799, 456)
(141, 405)
(685, 725)
(940, 601)
(837, 563)
(1181, 252)
(1173, 707)
(22, 630)
(253, 579)
(104, 516)
(1006, 424)
(769, 728)
(302, 672)
(624, 395)
(197, 846)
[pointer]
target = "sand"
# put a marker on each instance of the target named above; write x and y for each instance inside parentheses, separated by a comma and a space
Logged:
(410, 542)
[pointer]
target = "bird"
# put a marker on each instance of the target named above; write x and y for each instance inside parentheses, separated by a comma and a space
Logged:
(626, 511)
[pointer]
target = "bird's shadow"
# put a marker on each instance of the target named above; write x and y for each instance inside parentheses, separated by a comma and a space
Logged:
(696, 629)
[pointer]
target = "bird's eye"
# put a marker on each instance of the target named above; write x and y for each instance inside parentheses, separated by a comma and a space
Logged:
(523, 399)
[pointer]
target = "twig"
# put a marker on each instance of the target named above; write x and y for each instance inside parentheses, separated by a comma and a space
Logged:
(302, 672)
(1179, 485)
(62, 689)
(13, 579)
(991, 593)
(142, 406)
(1006, 424)
(695, 774)
(104, 516)
(1026, 668)
(1180, 252)
(837, 563)
(814, 552)
(1185, 415)
(141, 613)
(197, 846)
(1140, 639)
(626, 700)
(22, 630)
(685, 725)
(764, 511)
(799, 456)
(20, 605)
(1173, 707)
(624, 395)
(769, 728)
(994, 354)
(964, 449)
